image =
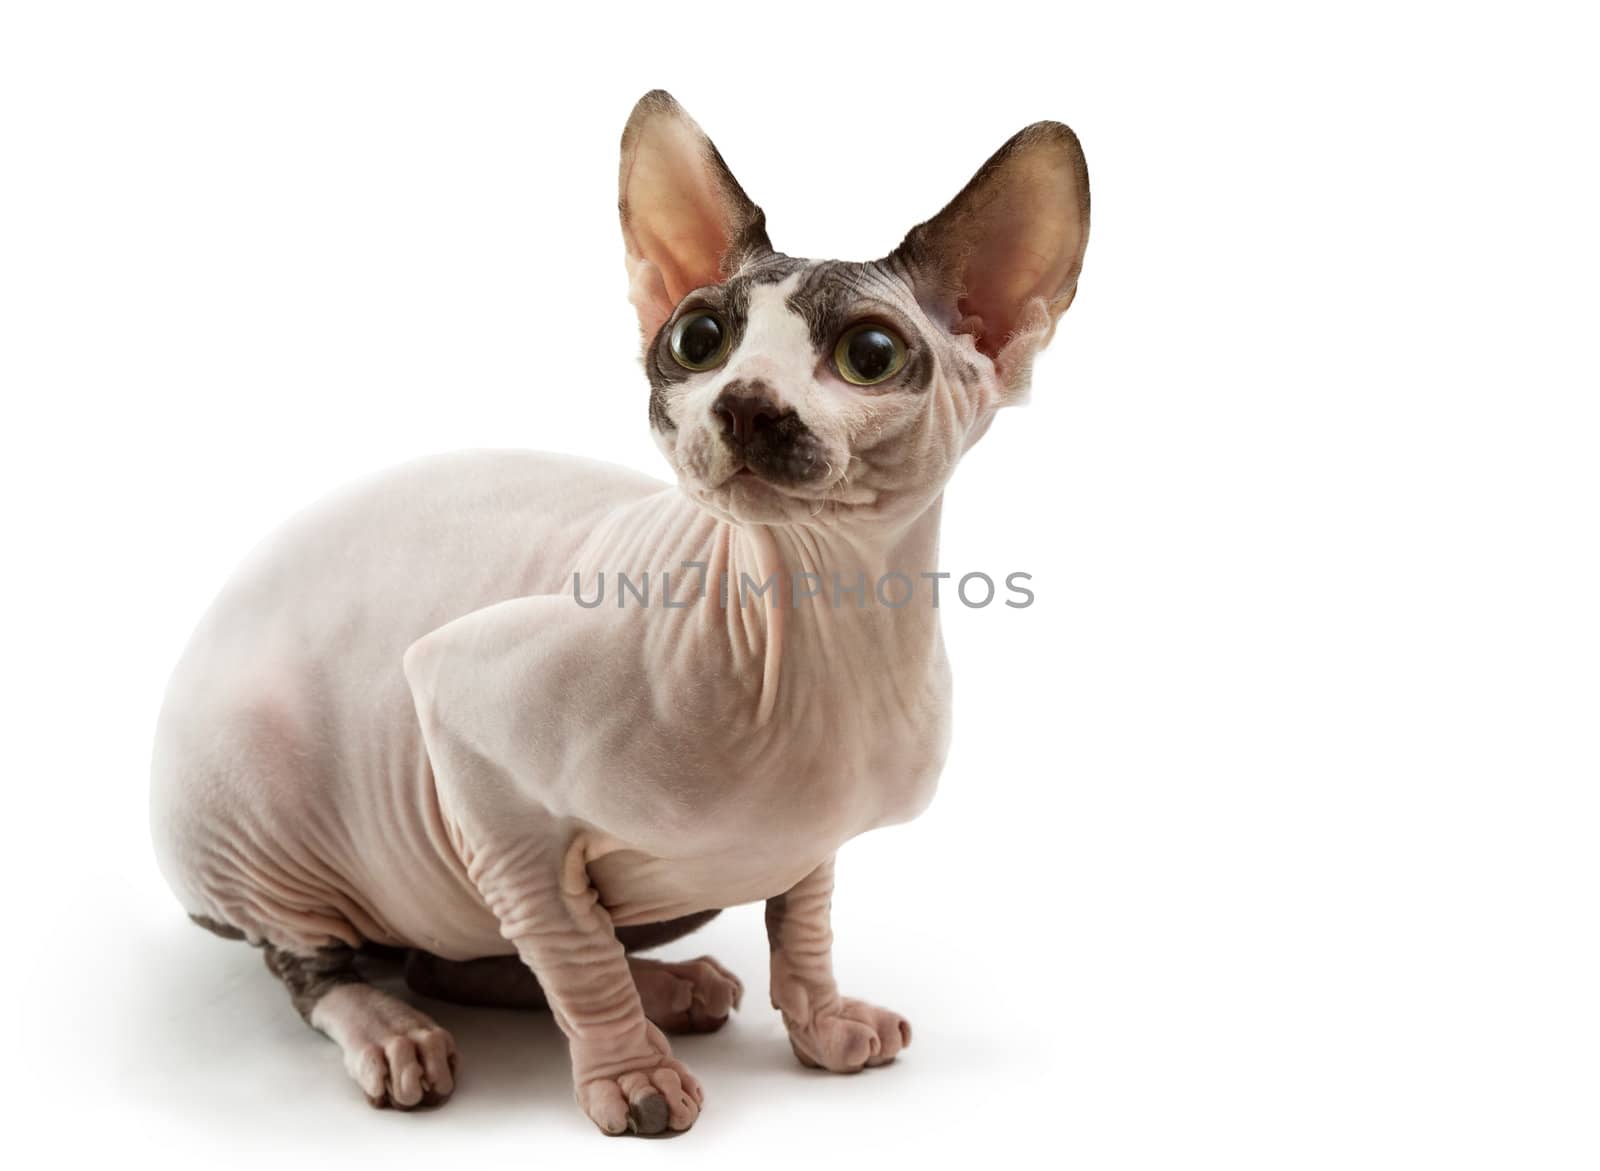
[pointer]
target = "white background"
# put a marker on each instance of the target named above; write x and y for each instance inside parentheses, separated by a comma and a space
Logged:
(1268, 836)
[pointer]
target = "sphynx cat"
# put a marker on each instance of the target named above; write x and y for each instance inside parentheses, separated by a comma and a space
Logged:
(403, 725)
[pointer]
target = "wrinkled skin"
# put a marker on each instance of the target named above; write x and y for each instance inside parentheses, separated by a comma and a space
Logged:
(398, 726)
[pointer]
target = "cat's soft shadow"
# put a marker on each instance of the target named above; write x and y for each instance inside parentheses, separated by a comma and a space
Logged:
(207, 1034)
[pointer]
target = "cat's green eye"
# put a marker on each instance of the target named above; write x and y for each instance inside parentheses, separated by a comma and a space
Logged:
(700, 340)
(868, 354)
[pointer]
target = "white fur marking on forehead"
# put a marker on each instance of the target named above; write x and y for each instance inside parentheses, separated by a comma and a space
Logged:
(776, 346)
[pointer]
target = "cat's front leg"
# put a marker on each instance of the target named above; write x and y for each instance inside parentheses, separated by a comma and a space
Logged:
(827, 1030)
(623, 1070)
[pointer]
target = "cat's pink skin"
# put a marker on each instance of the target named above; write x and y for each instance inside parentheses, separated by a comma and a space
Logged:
(397, 725)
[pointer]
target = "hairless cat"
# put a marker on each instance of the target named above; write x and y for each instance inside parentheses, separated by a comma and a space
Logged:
(402, 724)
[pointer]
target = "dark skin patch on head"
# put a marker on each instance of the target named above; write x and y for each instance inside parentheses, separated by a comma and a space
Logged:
(836, 294)
(773, 268)
(769, 270)
(918, 370)
(732, 300)
(662, 372)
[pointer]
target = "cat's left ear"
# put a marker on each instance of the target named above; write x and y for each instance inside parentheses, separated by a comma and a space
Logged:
(1000, 262)
(686, 222)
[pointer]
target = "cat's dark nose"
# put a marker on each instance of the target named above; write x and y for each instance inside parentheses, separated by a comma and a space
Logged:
(765, 438)
(746, 413)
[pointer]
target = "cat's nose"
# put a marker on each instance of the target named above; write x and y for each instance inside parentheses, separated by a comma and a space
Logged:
(745, 413)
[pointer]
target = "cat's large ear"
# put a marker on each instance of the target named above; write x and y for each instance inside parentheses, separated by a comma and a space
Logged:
(1001, 261)
(686, 222)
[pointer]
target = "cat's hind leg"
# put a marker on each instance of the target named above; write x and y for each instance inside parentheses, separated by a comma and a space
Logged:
(397, 1055)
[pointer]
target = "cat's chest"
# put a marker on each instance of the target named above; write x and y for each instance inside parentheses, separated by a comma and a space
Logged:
(636, 887)
(820, 770)
(752, 831)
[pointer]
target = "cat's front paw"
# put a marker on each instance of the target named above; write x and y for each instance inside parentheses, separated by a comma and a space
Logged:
(848, 1036)
(664, 1096)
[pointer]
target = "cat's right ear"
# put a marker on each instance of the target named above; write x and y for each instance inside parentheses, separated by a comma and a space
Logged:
(686, 222)
(1000, 262)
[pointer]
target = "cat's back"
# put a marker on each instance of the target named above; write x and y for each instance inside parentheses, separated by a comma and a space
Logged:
(379, 562)
(288, 712)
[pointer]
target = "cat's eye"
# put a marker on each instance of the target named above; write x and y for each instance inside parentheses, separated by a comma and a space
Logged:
(700, 340)
(868, 354)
